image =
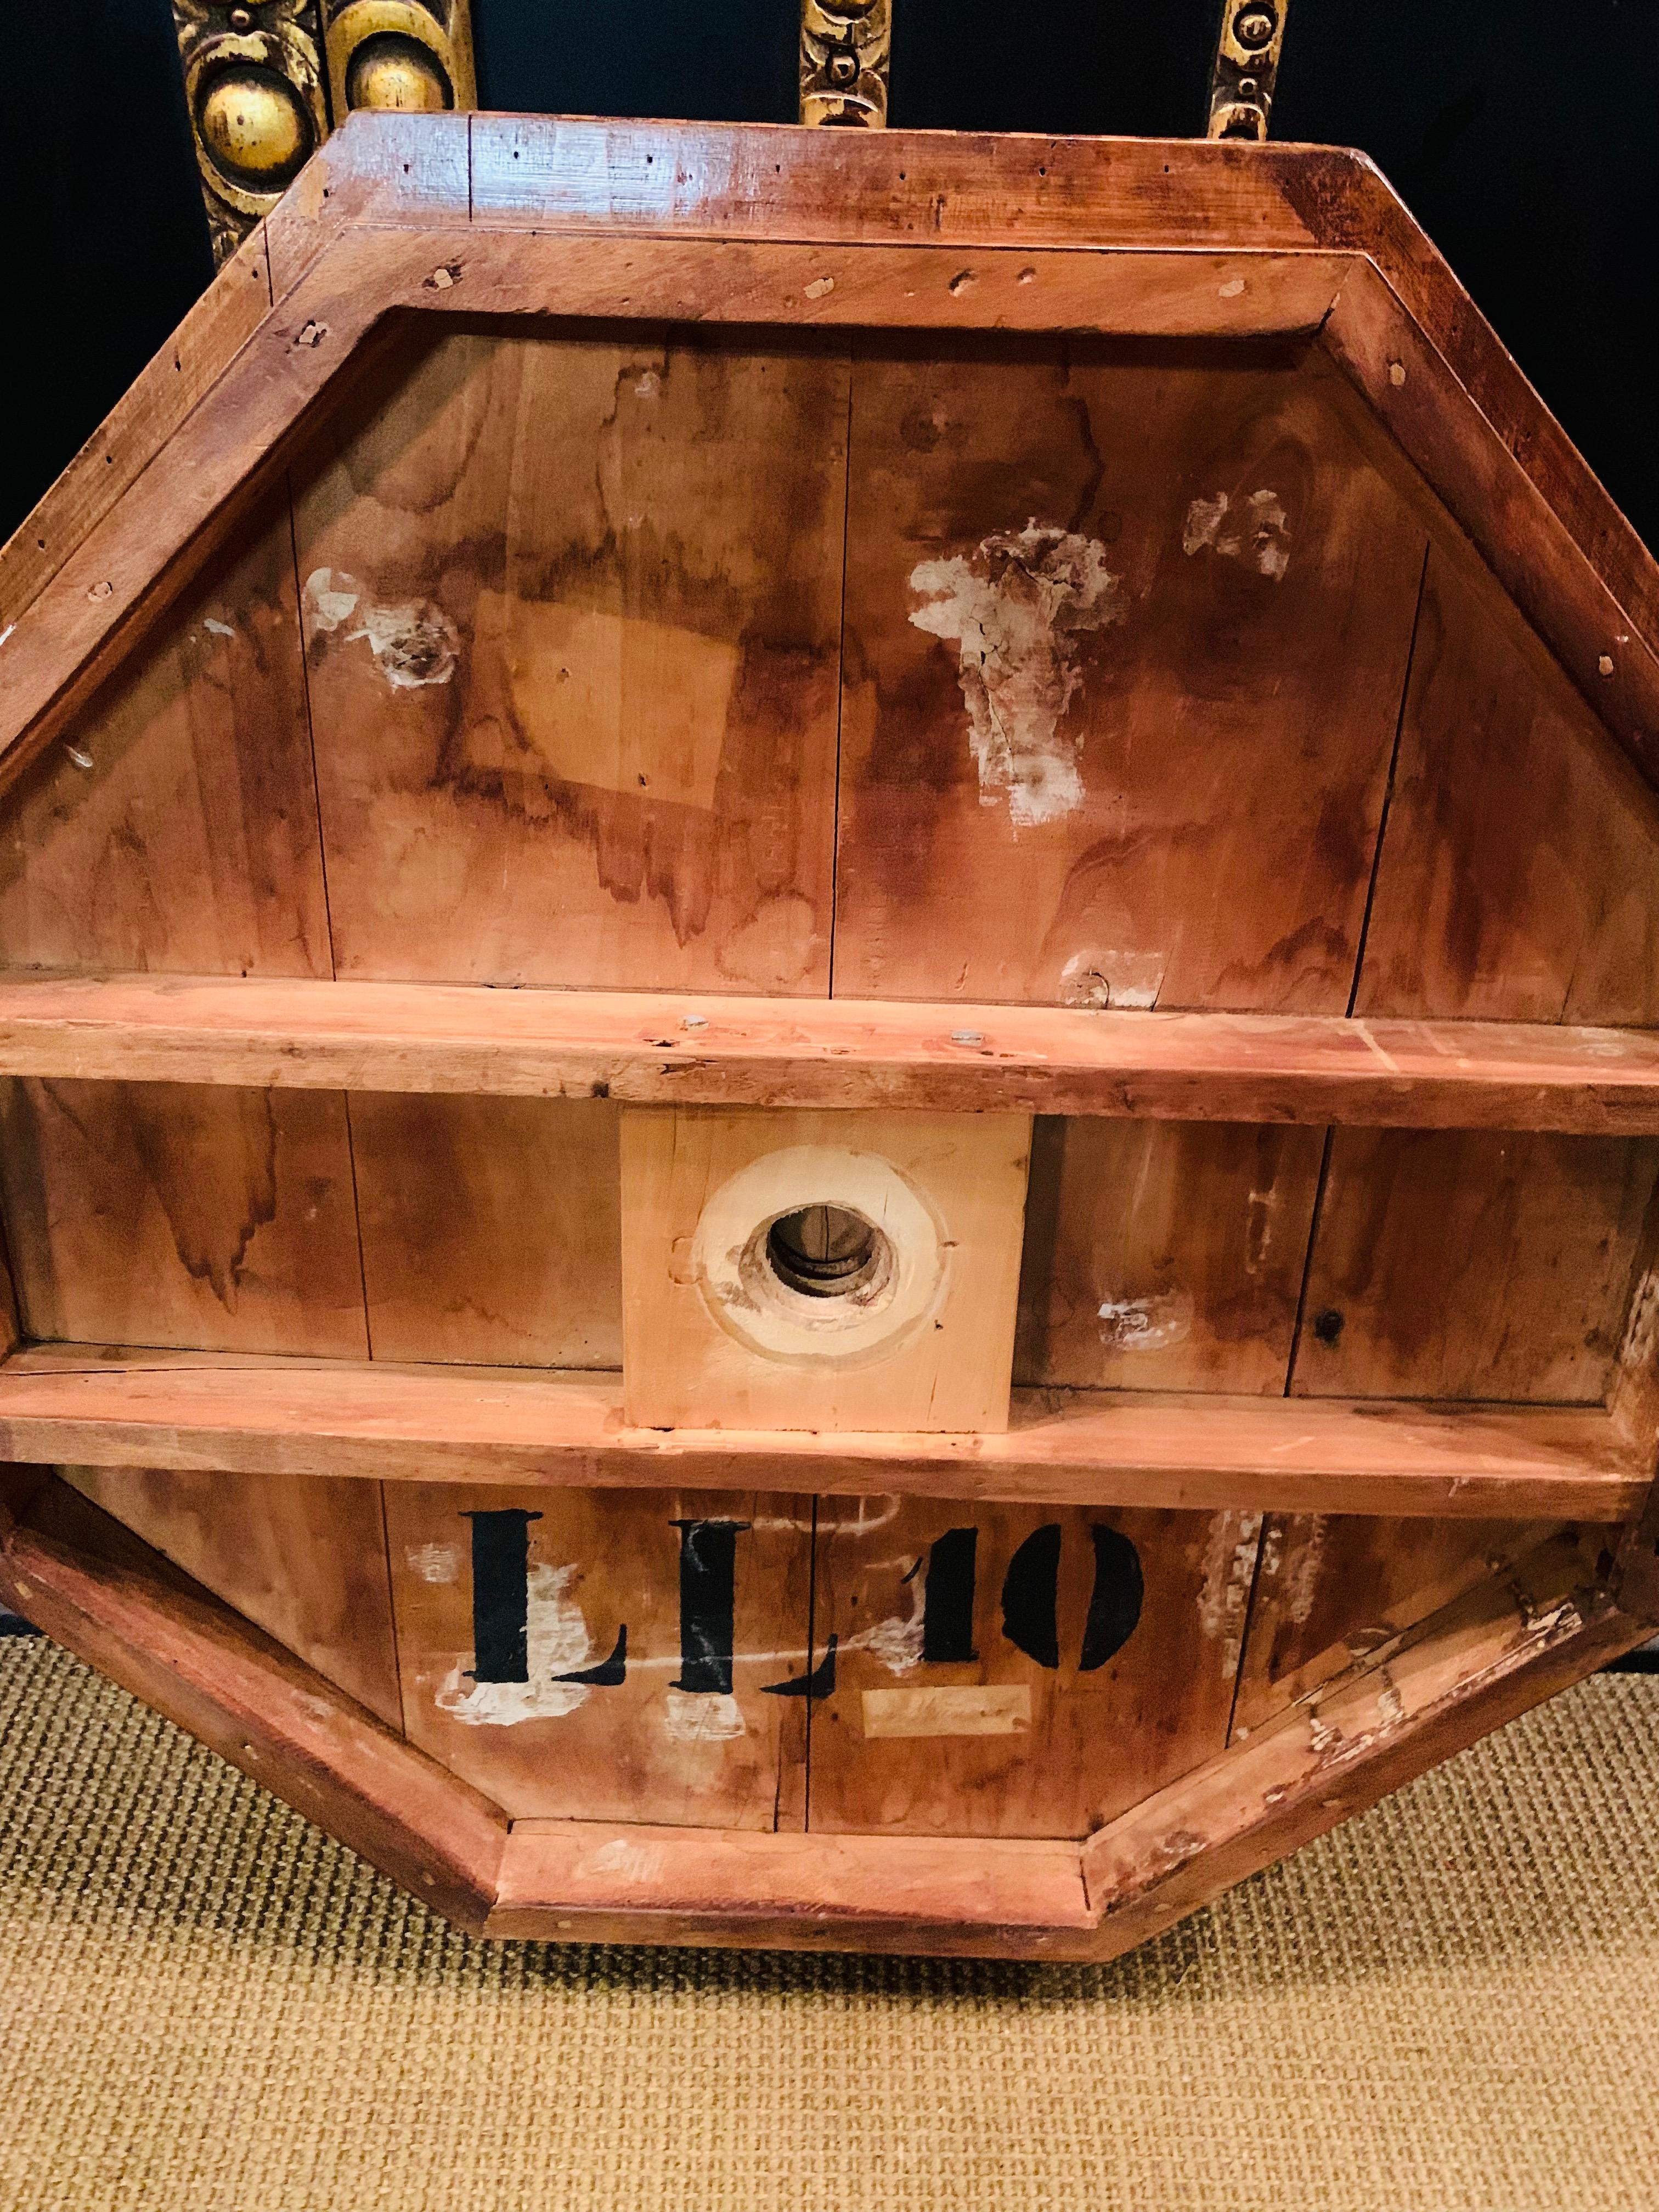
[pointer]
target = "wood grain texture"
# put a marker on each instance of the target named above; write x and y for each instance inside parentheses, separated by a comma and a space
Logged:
(1467, 1265)
(1333, 1590)
(642, 1749)
(1118, 714)
(712, 1339)
(1589, 592)
(1466, 1670)
(1165, 1256)
(571, 609)
(491, 1229)
(1077, 1745)
(175, 1215)
(650, 1049)
(570, 1878)
(106, 1406)
(175, 827)
(1519, 876)
(305, 1560)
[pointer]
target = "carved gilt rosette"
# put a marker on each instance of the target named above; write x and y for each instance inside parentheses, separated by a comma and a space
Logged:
(265, 81)
(845, 48)
(1246, 68)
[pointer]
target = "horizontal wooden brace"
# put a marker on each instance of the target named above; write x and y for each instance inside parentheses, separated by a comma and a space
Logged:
(91, 1405)
(683, 1049)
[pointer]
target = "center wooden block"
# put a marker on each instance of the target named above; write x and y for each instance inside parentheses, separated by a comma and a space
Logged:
(841, 1271)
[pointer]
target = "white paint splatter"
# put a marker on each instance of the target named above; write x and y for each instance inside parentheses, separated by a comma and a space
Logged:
(628, 1861)
(1256, 532)
(414, 643)
(556, 1642)
(1229, 1556)
(896, 1641)
(648, 386)
(1146, 1324)
(435, 1563)
(218, 628)
(1100, 978)
(1302, 1588)
(1014, 609)
(1641, 1331)
(703, 1716)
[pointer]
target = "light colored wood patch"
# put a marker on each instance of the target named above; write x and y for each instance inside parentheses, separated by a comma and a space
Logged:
(572, 611)
(963, 1710)
(491, 1229)
(713, 1337)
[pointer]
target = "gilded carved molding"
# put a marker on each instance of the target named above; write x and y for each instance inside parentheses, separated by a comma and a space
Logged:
(1246, 68)
(266, 80)
(845, 49)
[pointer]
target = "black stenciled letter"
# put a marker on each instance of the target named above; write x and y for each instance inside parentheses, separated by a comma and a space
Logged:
(947, 1605)
(1031, 1596)
(708, 1555)
(1114, 1603)
(500, 1594)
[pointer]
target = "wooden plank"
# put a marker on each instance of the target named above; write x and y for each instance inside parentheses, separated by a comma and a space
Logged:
(175, 827)
(1466, 1670)
(1006, 1671)
(921, 1337)
(568, 1879)
(572, 611)
(94, 1405)
(1553, 572)
(379, 166)
(549, 173)
(1197, 598)
(181, 1215)
(649, 1049)
(1165, 1256)
(1333, 1589)
(305, 1560)
(491, 1229)
(1450, 1264)
(687, 1736)
(1519, 875)
(116, 1604)
(151, 410)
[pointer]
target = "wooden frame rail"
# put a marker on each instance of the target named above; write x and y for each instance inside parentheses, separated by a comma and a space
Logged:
(94, 1405)
(680, 1049)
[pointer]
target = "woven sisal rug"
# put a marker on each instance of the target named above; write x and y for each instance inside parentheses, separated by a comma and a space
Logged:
(205, 2005)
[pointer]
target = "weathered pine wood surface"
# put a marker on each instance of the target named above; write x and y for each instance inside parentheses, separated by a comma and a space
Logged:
(1066, 688)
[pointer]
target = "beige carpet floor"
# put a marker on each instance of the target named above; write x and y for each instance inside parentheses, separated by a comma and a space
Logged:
(205, 2004)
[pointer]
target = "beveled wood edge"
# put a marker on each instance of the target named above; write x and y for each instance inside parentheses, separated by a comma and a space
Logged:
(238, 1413)
(391, 172)
(1472, 471)
(115, 1603)
(679, 1048)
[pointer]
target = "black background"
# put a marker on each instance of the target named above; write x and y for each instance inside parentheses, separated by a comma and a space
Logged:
(1524, 135)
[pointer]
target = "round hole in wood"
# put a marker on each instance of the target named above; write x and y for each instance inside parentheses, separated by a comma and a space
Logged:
(825, 1251)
